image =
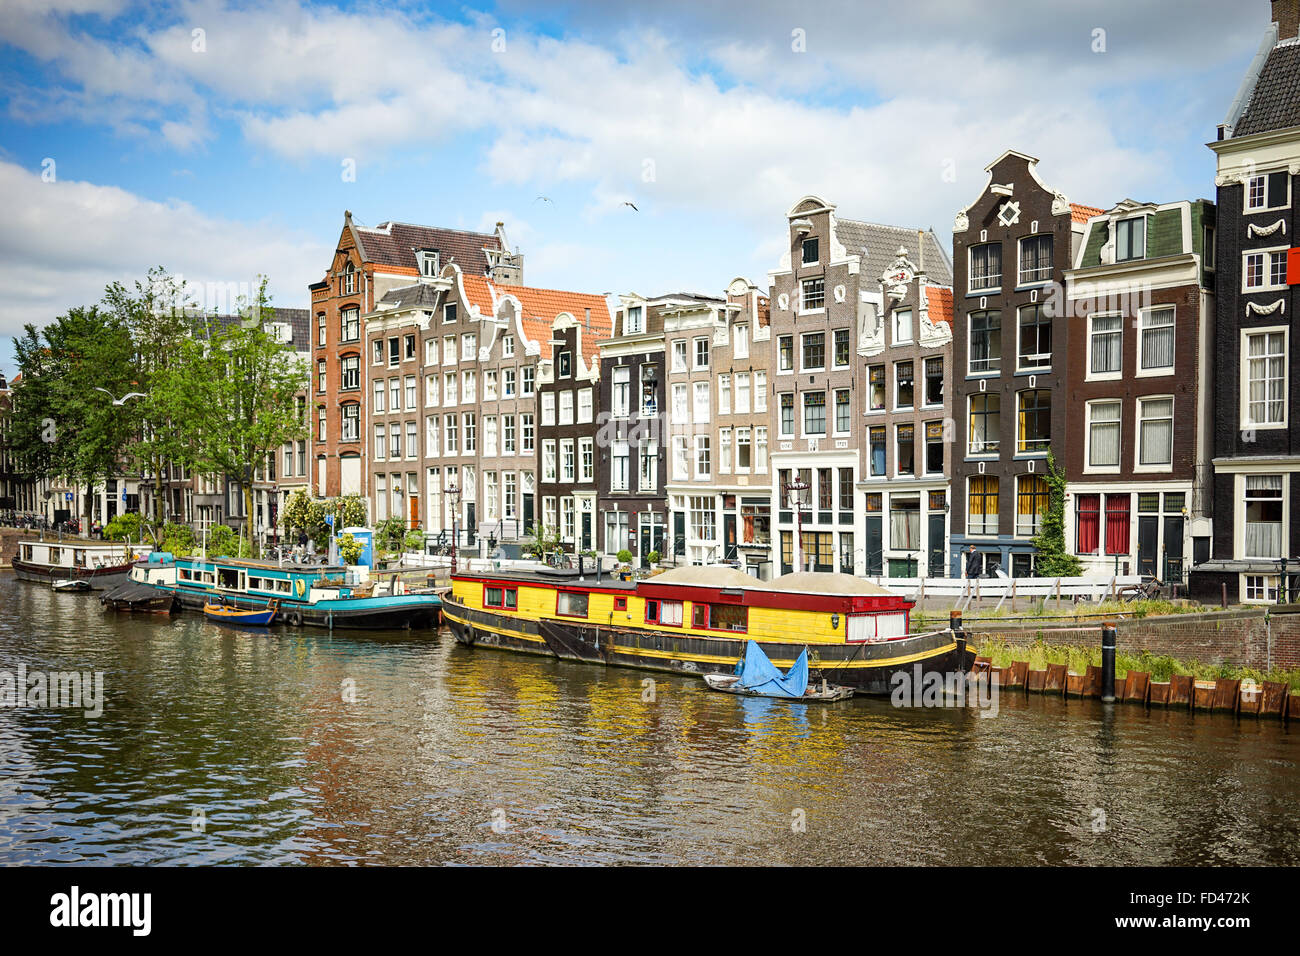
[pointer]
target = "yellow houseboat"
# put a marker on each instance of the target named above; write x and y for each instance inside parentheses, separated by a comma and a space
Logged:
(698, 619)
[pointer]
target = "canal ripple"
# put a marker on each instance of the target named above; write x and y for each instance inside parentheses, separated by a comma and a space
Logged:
(217, 746)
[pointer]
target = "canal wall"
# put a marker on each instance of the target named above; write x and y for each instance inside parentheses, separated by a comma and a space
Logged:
(8, 545)
(1257, 637)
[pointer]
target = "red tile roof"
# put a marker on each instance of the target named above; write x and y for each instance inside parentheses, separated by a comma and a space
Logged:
(939, 304)
(1080, 213)
(541, 306)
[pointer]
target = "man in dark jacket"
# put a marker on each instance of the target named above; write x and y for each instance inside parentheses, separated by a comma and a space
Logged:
(972, 563)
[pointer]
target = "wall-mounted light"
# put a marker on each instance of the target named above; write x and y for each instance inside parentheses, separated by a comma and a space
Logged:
(835, 621)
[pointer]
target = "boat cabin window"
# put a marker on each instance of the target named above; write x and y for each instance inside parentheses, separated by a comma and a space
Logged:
(571, 603)
(27, 552)
(620, 604)
(720, 617)
(664, 612)
(505, 598)
(228, 578)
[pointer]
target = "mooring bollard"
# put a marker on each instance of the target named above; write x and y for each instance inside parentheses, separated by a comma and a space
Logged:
(1108, 662)
(954, 620)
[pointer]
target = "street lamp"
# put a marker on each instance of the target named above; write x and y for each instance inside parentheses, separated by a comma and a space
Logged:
(454, 491)
(793, 489)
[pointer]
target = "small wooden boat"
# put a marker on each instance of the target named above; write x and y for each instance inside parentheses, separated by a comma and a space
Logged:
(136, 597)
(826, 693)
(241, 617)
(71, 585)
(757, 676)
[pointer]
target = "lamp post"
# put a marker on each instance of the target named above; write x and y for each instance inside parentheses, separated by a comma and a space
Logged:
(793, 489)
(454, 491)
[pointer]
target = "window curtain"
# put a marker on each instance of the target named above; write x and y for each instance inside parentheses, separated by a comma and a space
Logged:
(1157, 431)
(1106, 342)
(1103, 444)
(1117, 508)
(1089, 524)
(1158, 340)
(905, 528)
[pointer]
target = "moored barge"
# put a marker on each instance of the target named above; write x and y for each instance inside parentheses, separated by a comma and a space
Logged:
(699, 620)
(308, 595)
(101, 564)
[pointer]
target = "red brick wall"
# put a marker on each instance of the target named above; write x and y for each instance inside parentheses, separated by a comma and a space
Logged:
(1244, 637)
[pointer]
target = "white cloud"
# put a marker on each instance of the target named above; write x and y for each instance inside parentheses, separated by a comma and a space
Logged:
(67, 240)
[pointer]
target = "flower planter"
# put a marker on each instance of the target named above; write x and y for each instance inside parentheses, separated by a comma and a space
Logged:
(1203, 694)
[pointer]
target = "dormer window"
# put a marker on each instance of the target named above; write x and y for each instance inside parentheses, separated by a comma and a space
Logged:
(1130, 239)
(634, 322)
(428, 262)
(349, 279)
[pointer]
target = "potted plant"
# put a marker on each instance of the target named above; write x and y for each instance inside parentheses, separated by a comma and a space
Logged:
(625, 563)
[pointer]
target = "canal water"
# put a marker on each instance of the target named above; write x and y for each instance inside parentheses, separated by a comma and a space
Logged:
(219, 746)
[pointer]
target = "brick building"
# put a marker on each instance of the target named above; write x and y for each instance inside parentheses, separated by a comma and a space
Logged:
(367, 264)
(1257, 401)
(1011, 249)
(827, 307)
(1141, 316)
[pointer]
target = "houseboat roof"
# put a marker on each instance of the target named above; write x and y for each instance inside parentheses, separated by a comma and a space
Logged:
(707, 576)
(824, 582)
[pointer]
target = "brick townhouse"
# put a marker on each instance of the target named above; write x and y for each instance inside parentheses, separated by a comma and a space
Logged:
(1011, 249)
(452, 378)
(568, 373)
(827, 309)
(1257, 268)
(1140, 303)
(632, 498)
(368, 263)
(903, 363)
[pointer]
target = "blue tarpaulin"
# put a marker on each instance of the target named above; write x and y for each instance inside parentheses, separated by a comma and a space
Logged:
(761, 676)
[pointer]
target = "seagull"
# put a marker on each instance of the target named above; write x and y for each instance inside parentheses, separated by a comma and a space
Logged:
(543, 199)
(633, 205)
(123, 399)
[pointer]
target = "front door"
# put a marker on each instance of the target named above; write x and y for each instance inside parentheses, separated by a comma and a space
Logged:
(935, 562)
(528, 514)
(1148, 544)
(874, 545)
(729, 537)
(471, 523)
(415, 510)
(679, 533)
(586, 532)
(1173, 563)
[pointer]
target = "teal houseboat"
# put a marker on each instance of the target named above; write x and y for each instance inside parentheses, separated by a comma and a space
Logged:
(305, 595)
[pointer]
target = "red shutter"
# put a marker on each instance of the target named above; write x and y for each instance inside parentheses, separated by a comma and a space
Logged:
(1293, 266)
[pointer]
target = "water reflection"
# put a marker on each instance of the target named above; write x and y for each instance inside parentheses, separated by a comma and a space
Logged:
(220, 746)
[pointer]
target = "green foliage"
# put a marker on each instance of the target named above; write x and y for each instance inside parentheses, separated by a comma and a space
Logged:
(544, 541)
(390, 534)
(350, 548)
(178, 539)
(1053, 560)
(233, 392)
(222, 542)
(653, 557)
(126, 526)
(414, 540)
(624, 556)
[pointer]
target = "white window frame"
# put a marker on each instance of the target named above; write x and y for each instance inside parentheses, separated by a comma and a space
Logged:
(1088, 467)
(1248, 209)
(1244, 378)
(1268, 255)
(1142, 371)
(1089, 375)
(1137, 433)
(971, 288)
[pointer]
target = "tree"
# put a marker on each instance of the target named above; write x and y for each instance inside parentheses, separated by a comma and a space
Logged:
(1053, 560)
(161, 324)
(64, 427)
(246, 409)
(350, 549)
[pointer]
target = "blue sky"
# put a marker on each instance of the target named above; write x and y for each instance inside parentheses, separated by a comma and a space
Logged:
(220, 154)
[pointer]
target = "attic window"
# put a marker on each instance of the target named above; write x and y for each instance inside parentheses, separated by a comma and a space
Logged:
(1130, 239)
(1268, 192)
(428, 262)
